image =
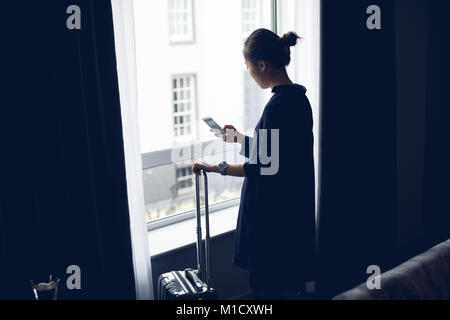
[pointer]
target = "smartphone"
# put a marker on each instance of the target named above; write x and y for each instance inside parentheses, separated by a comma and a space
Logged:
(213, 125)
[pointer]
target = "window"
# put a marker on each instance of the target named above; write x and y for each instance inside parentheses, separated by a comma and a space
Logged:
(179, 84)
(184, 179)
(181, 22)
(183, 93)
(250, 15)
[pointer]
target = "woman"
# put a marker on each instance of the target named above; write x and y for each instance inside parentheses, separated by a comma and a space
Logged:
(275, 234)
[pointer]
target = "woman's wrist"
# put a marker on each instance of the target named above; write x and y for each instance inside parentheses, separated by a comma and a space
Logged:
(215, 168)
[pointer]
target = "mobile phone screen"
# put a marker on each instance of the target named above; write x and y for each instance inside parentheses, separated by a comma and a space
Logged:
(213, 125)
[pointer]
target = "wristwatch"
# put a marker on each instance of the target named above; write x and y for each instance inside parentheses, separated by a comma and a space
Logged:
(223, 168)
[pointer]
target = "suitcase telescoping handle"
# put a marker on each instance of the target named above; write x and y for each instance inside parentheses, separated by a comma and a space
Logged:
(207, 276)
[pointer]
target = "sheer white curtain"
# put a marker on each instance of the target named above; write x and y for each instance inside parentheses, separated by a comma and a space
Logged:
(308, 68)
(303, 16)
(123, 16)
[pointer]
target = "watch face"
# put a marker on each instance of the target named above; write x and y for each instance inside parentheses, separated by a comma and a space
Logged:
(222, 165)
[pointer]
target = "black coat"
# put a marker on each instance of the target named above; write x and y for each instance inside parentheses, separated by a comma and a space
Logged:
(275, 231)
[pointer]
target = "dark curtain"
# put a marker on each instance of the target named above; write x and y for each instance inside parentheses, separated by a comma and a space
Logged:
(358, 144)
(436, 213)
(63, 197)
(372, 111)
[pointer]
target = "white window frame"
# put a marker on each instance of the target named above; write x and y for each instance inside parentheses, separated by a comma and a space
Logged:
(192, 113)
(180, 38)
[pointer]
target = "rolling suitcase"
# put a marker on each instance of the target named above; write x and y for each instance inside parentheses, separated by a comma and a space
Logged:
(192, 284)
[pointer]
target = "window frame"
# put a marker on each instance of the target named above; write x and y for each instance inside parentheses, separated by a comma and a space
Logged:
(181, 178)
(193, 112)
(163, 157)
(187, 40)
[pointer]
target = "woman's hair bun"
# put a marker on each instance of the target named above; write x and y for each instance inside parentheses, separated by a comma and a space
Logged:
(264, 44)
(290, 39)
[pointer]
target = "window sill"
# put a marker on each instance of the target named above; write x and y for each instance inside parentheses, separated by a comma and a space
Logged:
(183, 233)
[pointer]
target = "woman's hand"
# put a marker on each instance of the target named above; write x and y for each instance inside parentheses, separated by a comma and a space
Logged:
(232, 135)
(198, 165)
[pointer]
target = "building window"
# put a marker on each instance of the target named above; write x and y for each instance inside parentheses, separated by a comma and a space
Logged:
(184, 179)
(181, 21)
(249, 16)
(183, 89)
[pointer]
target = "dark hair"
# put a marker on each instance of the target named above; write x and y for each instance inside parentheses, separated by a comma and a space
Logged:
(263, 44)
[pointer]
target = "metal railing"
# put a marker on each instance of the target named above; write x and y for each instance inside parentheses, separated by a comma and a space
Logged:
(164, 157)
